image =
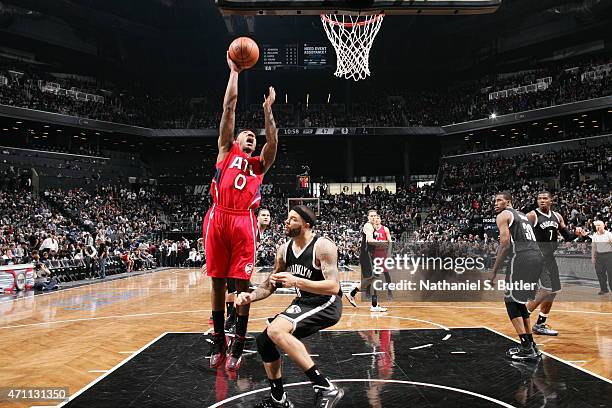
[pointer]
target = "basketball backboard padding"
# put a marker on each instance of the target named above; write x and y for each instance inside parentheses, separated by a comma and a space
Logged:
(357, 7)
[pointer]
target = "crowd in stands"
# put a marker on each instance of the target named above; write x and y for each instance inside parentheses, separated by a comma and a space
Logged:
(459, 103)
(126, 225)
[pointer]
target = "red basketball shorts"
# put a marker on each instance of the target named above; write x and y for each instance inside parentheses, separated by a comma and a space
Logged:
(229, 237)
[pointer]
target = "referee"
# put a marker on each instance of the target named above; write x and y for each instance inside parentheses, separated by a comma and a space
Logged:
(601, 255)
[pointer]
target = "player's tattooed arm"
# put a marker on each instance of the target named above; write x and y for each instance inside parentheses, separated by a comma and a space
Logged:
(228, 117)
(503, 224)
(268, 152)
(267, 287)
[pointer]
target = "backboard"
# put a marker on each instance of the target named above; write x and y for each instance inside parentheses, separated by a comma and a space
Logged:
(357, 7)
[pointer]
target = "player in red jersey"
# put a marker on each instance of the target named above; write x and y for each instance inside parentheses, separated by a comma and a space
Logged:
(263, 222)
(230, 225)
(381, 234)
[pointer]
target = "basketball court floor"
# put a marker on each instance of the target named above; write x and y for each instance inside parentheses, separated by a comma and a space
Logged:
(141, 341)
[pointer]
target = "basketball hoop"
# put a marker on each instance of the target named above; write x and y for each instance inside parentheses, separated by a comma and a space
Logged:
(352, 37)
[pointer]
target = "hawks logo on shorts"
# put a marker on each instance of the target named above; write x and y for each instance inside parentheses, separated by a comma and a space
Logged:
(248, 268)
(293, 309)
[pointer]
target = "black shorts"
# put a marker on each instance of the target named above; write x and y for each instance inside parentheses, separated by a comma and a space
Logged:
(365, 261)
(524, 269)
(308, 316)
(549, 279)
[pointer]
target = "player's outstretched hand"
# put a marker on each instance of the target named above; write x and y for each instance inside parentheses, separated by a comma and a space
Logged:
(269, 100)
(232, 65)
(243, 298)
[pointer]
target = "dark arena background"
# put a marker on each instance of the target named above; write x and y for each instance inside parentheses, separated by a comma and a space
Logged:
(109, 124)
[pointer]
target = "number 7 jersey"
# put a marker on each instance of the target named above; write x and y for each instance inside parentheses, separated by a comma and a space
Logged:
(237, 181)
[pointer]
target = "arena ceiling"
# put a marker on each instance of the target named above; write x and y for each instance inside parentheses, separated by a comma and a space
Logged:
(183, 39)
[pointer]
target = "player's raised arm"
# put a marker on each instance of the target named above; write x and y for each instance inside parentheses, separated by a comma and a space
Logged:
(228, 118)
(268, 152)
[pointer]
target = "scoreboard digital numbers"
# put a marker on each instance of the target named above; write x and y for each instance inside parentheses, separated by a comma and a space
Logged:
(314, 55)
(280, 56)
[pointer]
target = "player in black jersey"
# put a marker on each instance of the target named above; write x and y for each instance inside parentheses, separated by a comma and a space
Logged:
(369, 244)
(309, 264)
(517, 239)
(547, 226)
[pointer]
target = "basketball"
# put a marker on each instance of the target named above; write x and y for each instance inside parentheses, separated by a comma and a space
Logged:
(244, 52)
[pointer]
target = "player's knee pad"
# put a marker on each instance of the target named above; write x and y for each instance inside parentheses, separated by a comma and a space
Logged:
(266, 348)
(516, 310)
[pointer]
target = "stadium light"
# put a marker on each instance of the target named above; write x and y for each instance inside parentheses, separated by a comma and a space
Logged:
(328, 97)
(18, 122)
(286, 98)
(493, 115)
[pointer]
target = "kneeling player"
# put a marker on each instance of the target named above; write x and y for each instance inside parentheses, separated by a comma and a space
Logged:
(309, 264)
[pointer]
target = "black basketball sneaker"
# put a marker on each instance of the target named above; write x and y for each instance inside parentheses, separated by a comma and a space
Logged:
(524, 353)
(270, 402)
(327, 397)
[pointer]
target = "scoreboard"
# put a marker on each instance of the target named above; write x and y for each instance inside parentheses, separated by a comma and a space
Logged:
(294, 56)
(283, 56)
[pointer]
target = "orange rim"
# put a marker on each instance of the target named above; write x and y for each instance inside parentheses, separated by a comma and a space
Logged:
(349, 25)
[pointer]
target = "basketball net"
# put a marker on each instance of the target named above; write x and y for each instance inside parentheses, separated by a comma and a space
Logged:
(352, 37)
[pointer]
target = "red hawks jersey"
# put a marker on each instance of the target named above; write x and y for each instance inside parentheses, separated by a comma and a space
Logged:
(237, 181)
(380, 234)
